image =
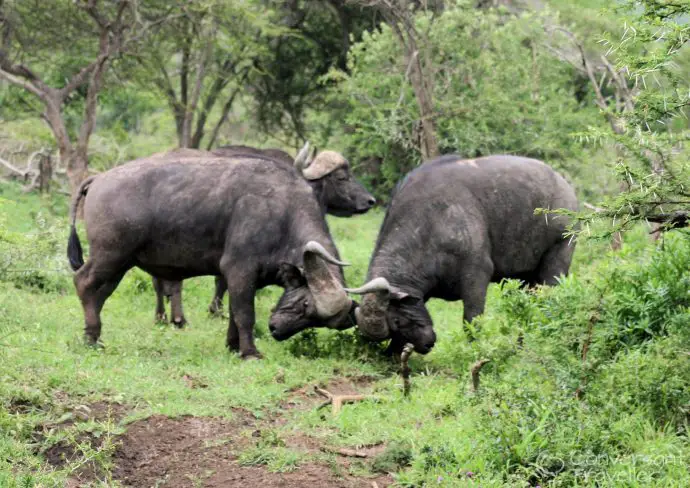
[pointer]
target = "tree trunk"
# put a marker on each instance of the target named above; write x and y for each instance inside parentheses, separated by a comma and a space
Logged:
(77, 168)
(421, 79)
(45, 172)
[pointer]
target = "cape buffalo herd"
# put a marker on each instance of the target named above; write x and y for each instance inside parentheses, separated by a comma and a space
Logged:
(256, 217)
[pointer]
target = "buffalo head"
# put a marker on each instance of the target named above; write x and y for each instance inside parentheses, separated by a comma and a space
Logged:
(387, 311)
(342, 194)
(313, 296)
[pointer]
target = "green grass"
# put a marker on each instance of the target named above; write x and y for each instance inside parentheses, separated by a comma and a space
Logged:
(523, 428)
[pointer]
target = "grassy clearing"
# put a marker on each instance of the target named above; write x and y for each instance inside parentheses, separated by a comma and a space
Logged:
(546, 414)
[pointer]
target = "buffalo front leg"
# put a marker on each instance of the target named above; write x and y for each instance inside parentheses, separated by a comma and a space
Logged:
(233, 339)
(216, 306)
(242, 318)
(94, 285)
(175, 290)
(161, 318)
(473, 295)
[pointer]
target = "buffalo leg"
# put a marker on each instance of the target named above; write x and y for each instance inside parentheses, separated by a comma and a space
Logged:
(94, 285)
(473, 294)
(395, 347)
(216, 307)
(233, 339)
(160, 303)
(241, 292)
(555, 262)
(178, 318)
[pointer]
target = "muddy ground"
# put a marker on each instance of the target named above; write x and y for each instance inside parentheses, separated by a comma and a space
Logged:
(188, 451)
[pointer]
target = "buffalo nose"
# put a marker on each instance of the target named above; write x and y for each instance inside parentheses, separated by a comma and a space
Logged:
(371, 201)
(429, 345)
(271, 328)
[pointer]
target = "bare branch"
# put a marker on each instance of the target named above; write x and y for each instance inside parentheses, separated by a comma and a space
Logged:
(475, 371)
(25, 84)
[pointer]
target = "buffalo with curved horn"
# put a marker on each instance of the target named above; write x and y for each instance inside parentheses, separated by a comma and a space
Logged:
(185, 216)
(453, 226)
(328, 173)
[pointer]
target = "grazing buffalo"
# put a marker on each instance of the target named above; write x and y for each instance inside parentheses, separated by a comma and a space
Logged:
(453, 226)
(255, 223)
(328, 174)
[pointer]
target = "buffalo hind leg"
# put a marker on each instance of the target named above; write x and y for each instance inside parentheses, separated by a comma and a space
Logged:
(216, 306)
(161, 317)
(94, 285)
(555, 262)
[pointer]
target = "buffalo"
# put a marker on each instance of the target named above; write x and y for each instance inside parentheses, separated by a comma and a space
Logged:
(454, 226)
(328, 173)
(251, 220)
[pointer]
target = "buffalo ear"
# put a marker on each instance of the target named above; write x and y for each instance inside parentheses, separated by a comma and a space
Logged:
(291, 276)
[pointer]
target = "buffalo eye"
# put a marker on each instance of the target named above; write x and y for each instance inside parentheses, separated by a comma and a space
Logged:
(306, 304)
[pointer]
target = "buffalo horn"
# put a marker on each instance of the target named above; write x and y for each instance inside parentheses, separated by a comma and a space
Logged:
(329, 295)
(302, 158)
(377, 284)
(371, 314)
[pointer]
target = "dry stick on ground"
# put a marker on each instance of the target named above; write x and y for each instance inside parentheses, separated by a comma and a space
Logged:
(405, 367)
(337, 400)
(475, 370)
(345, 452)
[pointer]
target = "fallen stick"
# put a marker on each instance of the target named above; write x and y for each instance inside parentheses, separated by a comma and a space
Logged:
(405, 367)
(345, 452)
(337, 401)
(476, 369)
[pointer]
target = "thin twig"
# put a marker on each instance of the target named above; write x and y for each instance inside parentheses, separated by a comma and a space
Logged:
(405, 367)
(345, 452)
(475, 371)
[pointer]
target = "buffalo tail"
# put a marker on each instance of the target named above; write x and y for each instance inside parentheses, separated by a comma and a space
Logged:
(75, 254)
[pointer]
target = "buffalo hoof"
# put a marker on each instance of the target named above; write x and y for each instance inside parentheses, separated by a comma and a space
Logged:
(251, 354)
(216, 311)
(92, 343)
(161, 318)
(179, 323)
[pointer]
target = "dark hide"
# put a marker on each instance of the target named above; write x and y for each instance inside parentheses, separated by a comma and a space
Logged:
(452, 227)
(234, 151)
(184, 216)
(338, 193)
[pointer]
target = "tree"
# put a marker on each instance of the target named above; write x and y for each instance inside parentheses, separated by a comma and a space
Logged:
(648, 117)
(288, 84)
(400, 16)
(82, 38)
(203, 58)
(495, 88)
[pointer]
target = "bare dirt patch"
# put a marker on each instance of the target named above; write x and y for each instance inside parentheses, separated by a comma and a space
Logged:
(194, 451)
(71, 449)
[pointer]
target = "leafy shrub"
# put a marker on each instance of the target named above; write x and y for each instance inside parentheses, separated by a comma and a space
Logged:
(34, 260)
(398, 455)
(491, 75)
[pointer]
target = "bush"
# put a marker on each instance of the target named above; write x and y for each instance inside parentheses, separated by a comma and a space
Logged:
(34, 260)
(496, 89)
